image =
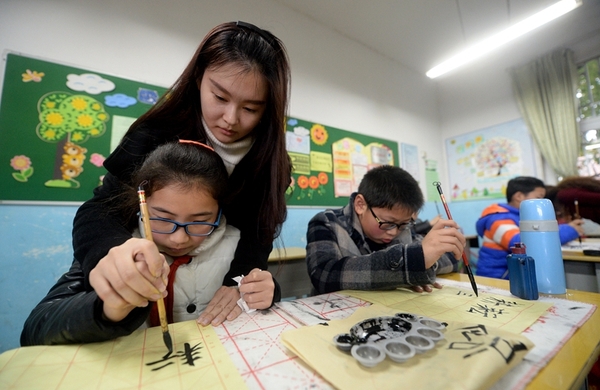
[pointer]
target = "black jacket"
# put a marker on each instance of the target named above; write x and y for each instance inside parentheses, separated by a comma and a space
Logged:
(71, 315)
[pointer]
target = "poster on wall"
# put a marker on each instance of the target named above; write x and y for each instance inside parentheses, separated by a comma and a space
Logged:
(57, 125)
(329, 163)
(431, 176)
(480, 163)
(410, 159)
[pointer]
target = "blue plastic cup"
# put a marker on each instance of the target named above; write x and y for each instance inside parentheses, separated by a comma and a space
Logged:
(539, 233)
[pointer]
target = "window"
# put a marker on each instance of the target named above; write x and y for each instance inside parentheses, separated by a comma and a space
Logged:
(588, 90)
(588, 96)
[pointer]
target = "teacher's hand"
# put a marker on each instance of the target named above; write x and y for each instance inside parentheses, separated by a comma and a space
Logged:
(257, 289)
(222, 307)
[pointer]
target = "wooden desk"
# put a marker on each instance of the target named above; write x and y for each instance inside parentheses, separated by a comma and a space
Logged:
(288, 266)
(571, 365)
(252, 341)
(582, 272)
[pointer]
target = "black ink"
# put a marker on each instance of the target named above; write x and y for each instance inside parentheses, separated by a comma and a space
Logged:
(300, 307)
(464, 293)
(333, 303)
(499, 302)
(486, 311)
(502, 346)
(476, 331)
(188, 355)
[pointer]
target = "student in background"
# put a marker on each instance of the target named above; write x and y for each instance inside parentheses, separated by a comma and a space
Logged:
(369, 244)
(233, 96)
(184, 183)
(499, 226)
(584, 190)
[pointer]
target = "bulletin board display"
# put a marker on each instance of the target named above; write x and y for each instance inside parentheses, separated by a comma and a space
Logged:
(329, 163)
(57, 125)
(481, 163)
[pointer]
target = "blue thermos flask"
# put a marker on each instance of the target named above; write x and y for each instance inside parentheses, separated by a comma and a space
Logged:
(539, 233)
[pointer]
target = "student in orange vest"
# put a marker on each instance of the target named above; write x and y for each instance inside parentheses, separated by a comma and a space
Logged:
(499, 226)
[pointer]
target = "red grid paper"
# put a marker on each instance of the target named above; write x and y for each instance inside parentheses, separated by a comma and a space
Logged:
(252, 341)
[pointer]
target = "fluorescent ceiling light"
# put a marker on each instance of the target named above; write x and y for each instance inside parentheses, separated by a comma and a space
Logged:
(514, 31)
(592, 147)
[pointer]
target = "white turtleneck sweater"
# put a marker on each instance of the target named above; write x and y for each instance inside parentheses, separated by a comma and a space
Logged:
(232, 153)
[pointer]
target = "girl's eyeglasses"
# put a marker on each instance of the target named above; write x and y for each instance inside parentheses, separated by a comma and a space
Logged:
(384, 225)
(196, 229)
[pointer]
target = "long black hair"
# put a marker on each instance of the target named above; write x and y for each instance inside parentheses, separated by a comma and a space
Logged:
(268, 171)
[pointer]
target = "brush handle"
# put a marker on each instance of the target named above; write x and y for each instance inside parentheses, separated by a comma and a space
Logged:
(577, 216)
(162, 312)
(438, 185)
(465, 259)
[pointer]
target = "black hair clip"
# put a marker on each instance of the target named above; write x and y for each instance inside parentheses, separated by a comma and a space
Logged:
(265, 35)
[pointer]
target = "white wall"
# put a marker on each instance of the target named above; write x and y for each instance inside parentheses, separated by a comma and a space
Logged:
(335, 81)
(480, 95)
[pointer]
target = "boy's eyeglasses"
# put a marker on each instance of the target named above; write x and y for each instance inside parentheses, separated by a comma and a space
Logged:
(384, 225)
(196, 229)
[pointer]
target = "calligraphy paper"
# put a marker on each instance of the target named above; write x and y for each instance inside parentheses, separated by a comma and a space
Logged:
(461, 304)
(139, 360)
(472, 356)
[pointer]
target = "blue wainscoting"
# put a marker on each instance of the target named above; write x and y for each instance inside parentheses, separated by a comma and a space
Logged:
(35, 250)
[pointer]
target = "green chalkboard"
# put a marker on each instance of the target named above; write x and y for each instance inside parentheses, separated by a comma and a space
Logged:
(329, 163)
(58, 123)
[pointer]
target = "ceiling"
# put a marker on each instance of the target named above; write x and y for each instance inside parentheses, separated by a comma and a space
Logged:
(420, 34)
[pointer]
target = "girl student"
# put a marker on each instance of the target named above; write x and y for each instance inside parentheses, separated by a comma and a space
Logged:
(184, 184)
(233, 96)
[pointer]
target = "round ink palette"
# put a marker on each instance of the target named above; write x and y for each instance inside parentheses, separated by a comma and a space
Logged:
(399, 337)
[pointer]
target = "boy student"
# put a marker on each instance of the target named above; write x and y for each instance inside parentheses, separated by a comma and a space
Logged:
(369, 244)
(185, 183)
(499, 226)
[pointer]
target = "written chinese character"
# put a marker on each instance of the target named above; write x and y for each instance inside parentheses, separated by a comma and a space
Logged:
(486, 311)
(499, 302)
(188, 356)
(475, 344)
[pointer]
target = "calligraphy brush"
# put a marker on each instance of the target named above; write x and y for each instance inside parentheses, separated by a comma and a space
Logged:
(464, 255)
(162, 312)
(577, 216)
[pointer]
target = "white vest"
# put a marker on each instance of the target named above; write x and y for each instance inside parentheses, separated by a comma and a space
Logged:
(196, 282)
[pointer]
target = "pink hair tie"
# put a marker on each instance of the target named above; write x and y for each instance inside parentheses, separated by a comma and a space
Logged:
(197, 143)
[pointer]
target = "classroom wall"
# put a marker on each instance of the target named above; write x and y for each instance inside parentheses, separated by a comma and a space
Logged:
(335, 81)
(474, 99)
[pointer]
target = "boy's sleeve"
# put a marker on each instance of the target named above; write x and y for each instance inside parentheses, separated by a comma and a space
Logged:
(334, 263)
(567, 233)
(446, 264)
(70, 315)
(500, 232)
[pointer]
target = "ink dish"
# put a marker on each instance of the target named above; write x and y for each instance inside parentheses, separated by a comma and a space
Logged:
(399, 337)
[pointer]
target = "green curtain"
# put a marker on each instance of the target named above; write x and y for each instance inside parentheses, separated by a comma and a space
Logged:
(545, 92)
